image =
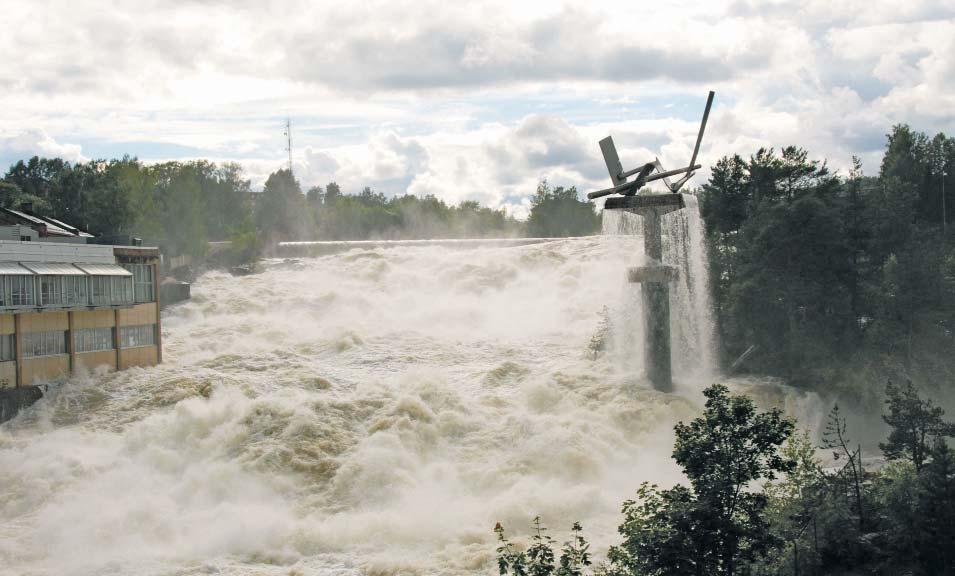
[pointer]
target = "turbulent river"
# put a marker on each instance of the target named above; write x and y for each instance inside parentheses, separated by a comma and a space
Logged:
(374, 411)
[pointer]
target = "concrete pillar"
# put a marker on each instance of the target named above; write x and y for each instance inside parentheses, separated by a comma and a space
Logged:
(71, 341)
(18, 345)
(156, 284)
(656, 303)
(116, 335)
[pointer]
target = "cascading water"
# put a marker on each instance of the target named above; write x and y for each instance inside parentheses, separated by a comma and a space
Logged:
(370, 412)
(691, 317)
(691, 308)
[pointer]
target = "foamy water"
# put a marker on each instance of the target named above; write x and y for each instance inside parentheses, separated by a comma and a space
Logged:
(371, 412)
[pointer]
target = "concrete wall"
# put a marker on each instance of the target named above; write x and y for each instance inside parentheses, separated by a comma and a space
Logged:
(45, 368)
(44, 321)
(7, 325)
(55, 252)
(93, 319)
(91, 360)
(141, 356)
(138, 314)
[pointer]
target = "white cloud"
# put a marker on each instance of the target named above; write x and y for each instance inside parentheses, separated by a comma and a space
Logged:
(472, 100)
(30, 143)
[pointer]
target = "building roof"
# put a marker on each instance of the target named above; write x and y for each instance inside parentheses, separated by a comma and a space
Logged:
(45, 226)
(13, 269)
(53, 268)
(72, 229)
(103, 269)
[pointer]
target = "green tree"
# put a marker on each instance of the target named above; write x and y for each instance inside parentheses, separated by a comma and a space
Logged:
(281, 211)
(332, 193)
(916, 425)
(718, 525)
(936, 513)
(793, 504)
(559, 213)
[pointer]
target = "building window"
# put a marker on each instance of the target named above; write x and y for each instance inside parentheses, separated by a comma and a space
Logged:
(8, 349)
(142, 281)
(122, 289)
(51, 290)
(63, 291)
(17, 290)
(100, 290)
(93, 339)
(44, 343)
(136, 336)
(76, 290)
(111, 290)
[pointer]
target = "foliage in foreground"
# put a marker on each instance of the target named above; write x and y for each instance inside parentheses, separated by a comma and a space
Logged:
(808, 520)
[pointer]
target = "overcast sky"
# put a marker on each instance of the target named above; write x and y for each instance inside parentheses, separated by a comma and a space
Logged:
(477, 101)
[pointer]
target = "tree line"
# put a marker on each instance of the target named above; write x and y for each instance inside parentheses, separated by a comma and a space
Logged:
(181, 206)
(837, 280)
(761, 503)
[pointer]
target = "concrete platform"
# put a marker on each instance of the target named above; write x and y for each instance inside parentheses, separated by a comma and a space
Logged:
(642, 203)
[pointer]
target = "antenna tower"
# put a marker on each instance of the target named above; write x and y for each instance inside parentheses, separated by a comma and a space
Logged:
(288, 136)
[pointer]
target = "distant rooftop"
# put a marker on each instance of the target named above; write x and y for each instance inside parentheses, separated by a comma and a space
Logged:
(43, 226)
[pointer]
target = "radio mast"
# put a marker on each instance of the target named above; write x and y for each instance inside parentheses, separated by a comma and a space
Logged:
(288, 136)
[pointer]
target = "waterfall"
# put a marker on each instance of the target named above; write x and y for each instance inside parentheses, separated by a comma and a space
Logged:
(692, 327)
(691, 310)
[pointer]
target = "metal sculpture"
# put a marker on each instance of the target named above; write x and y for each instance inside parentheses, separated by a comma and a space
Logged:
(655, 277)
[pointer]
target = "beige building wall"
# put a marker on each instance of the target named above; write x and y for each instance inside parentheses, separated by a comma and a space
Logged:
(44, 321)
(8, 374)
(7, 325)
(91, 360)
(139, 314)
(93, 319)
(141, 356)
(45, 368)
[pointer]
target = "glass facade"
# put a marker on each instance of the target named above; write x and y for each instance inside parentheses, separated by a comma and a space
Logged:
(62, 291)
(17, 290)
(93, 339)
(121, 289)
(144, 291)
(44, 343)
(136, 336)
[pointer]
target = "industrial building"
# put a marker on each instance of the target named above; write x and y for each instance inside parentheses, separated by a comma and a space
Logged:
(66, 305)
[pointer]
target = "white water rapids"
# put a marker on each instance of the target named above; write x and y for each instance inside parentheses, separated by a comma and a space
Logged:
(370, 412)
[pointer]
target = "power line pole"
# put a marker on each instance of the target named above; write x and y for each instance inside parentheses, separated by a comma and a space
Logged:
(288, 135)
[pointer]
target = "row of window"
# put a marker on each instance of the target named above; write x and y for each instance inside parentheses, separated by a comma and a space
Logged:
(87, 340)
(93, 339)
(136, 336)
(73, 290)
(44, 343)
